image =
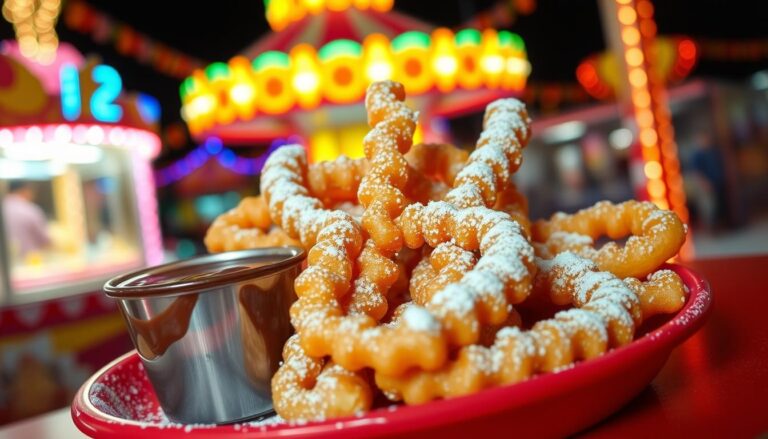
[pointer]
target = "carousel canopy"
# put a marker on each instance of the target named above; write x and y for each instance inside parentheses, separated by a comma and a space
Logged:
(325, 56)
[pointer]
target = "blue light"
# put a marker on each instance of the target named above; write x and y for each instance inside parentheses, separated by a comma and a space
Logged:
(213, 145)
(149, 108)
(227, 158)
(103, 107)
(70, 92)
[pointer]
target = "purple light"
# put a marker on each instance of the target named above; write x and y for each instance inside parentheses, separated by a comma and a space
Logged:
(213, 147)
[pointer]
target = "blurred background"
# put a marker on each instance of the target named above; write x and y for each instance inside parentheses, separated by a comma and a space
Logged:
(127, 127)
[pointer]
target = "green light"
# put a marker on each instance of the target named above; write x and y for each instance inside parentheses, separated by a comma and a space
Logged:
(339, 47)
(217, 70)
(517, 41)
(411, 39)
(505, 38)
(468, 37)
(186, 87)
(272, 58)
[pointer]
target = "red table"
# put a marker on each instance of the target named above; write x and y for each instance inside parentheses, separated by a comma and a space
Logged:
(714, 385)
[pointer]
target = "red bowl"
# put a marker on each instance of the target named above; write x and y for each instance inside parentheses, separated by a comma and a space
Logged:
(119, 400)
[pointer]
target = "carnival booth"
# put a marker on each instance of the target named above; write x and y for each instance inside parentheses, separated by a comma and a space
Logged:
(78, 207)
(310, 75)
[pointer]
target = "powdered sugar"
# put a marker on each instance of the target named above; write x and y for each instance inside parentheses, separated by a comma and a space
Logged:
(419, 319)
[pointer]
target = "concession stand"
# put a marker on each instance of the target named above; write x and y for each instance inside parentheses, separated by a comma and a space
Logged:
(75, 156)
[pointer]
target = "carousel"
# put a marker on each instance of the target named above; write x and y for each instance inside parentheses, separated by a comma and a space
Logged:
(309, 76)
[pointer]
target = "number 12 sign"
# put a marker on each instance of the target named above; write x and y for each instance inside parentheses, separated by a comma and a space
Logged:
(102, 101)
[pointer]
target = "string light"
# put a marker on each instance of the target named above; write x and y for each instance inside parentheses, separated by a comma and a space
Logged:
(39, 139)
(34, 23)
(597, 72)
(339, 72)
(214, 148)
(656, 134)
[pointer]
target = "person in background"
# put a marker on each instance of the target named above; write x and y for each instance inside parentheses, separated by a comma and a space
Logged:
(709, 177)
(25, 222)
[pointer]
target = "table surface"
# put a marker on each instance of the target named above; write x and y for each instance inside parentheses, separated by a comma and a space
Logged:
(714, 385)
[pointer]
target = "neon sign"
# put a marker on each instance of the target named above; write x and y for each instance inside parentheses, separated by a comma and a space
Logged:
(69, 78)
(102, 103)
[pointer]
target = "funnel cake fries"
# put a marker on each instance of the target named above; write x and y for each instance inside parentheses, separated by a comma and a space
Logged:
(311, 388)
(246, 226)
(335, 241)
(606, 315)
(334, 182)
(655, 236)
(393, 125)
(413, 294)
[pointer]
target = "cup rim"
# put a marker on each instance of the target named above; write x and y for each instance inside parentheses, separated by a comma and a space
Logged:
(285, 257)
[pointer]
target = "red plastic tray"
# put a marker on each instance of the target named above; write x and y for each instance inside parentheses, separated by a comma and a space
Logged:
(119, 400)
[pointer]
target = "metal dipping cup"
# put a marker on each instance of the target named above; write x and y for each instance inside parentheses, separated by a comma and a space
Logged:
(210, 330)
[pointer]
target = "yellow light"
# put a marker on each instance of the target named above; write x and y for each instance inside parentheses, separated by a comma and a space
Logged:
(444, 59)
(445, 65)
(377, 58)
(411, 67)
(469, 75)
(274, 89)
(323, 146)
(653, 170)
(200, 106)
(491, 61)
(627, 15)
(33, 24)
(306, 82)
(493, 64)
(378, 71)
(314, 6)
(351, 140)
(242, 93)
(634, 57)
(656, 188)
(225, 109)
(418, 134)
(342, 79)
(644, 117)
(637, 77)
(306, 75)
(517, 66)
(641, 98)
(630, 36)
(280, 13)
(648, 136)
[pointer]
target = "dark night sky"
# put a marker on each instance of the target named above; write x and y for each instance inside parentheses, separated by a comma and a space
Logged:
(558, 35)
